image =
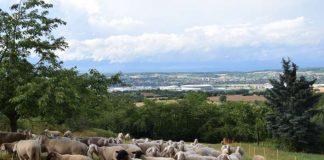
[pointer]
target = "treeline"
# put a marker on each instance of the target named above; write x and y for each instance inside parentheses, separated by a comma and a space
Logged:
(138, 96)
(193, 117)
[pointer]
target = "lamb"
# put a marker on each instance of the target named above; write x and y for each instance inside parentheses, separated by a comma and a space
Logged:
(258, 157)
(28, 149)
(9, 137)
(187, 156)
(127, 137)
(52, 133)
(153, 152)
(109, 153)
(57, 156)
(64, 146)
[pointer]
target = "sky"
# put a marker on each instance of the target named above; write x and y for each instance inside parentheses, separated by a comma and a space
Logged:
(189, 35)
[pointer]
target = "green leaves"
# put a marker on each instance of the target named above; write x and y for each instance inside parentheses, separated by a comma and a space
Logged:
(292, 100)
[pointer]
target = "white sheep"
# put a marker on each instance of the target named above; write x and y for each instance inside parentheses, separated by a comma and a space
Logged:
(187, 156)
(57, 156)
(52, 133)
(28, 149)
(168, 151)
(141, 156)
(127, 137)
(153, 152)
(108, 153)
(236, 155)
(146, 145)
(121, 136)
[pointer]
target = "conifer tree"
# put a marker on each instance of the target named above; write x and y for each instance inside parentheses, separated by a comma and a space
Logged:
(292, 100)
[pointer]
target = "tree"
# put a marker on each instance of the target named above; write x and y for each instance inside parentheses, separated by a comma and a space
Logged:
(222, 98)
(24, 31)
(292, 101)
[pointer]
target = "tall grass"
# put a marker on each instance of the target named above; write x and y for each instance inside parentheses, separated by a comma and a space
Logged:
(270, 152)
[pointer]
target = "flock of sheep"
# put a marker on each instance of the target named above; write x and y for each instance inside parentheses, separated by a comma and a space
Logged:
(58, 146)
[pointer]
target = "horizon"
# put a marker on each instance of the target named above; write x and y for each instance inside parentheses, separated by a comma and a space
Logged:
(188, 36)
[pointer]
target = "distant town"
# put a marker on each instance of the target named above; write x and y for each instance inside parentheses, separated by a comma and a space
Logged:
(254, 81)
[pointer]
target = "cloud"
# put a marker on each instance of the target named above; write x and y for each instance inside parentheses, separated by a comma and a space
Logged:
(118, 24)
(197, 42)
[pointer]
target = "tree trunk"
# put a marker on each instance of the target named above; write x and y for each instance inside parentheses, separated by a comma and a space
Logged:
(13, 124)
(13, 118)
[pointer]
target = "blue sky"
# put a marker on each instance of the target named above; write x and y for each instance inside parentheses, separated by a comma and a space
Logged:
(189, 35)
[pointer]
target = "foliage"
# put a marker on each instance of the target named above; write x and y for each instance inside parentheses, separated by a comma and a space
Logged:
(24, 31)
(292, 102)
(222, 98)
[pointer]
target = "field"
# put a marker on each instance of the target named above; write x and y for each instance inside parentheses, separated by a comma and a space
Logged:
(271, 153)
(250, 150)
(321, 89)
(239, 98)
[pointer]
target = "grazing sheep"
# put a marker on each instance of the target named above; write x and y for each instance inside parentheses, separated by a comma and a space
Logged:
(57, 156)
(187, 156)
(153, 152)
(109, 153)
(28, 149)
(64, 146)
(9, 137)
(52, 133)
(127, 137)
(258, 157)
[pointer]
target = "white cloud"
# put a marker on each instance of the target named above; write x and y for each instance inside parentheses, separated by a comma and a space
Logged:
(118, 24)
(201, 40)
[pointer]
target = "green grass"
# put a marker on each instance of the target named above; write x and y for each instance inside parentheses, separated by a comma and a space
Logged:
(271, 152)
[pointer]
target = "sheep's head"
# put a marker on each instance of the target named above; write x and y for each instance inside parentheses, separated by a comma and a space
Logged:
(225, 149)
(180, 156)
(122, 155)
(223, 157)
(51, 156)
(67, 134)
(3, 147)
(93, 149)
(138, 154)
